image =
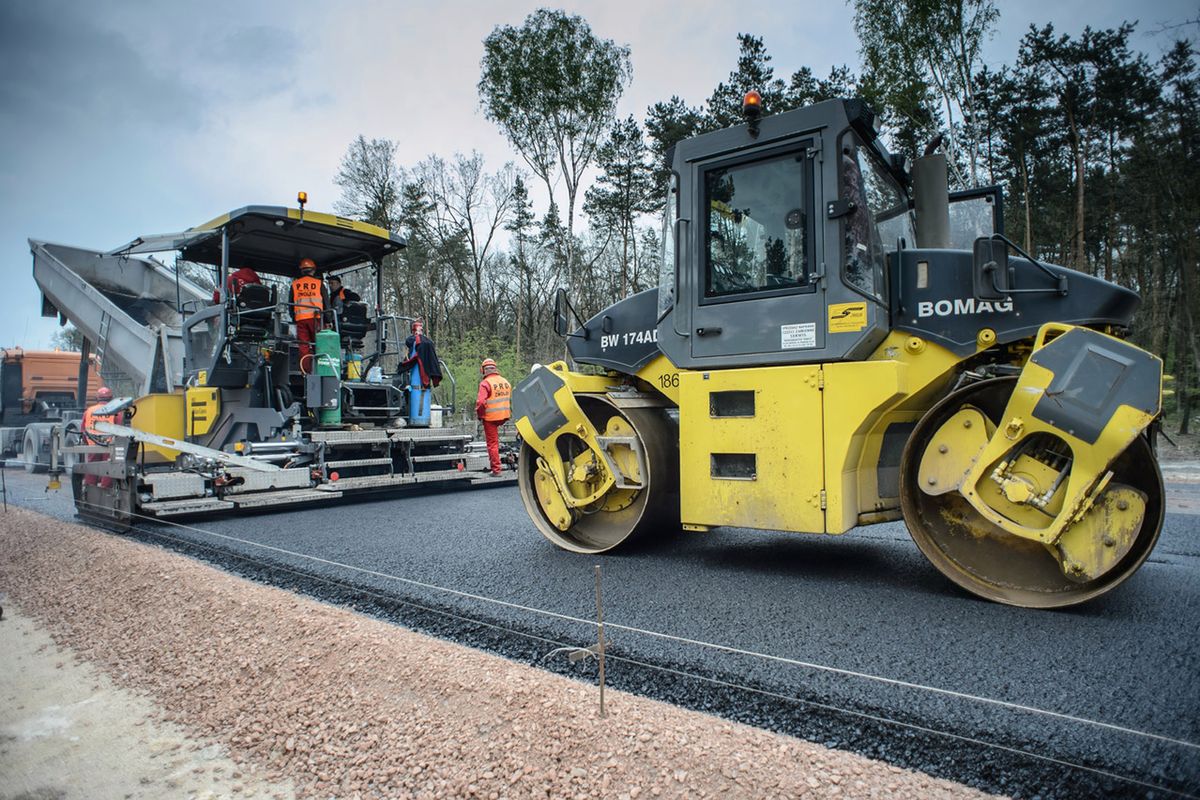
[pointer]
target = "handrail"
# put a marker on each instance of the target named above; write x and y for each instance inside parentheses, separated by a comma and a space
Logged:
(453, 386)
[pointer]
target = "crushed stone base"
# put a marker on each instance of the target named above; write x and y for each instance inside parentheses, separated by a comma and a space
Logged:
(304, 695)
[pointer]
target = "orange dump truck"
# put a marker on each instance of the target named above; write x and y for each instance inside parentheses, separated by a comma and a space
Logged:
(39, 389)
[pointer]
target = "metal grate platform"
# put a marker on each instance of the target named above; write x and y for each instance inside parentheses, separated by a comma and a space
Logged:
(169, 508)
(341, 438)
(358, 462)
(441, 457)
(503, 479)
(427, 436)
(382, 481)
(288, 497)
(349, 437)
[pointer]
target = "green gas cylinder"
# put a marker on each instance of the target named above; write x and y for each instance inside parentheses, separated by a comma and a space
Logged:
(329, 367)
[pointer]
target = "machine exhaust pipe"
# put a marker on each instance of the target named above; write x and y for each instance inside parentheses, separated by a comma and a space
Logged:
(931, 198)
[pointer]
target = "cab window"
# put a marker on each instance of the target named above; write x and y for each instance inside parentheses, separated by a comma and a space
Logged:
(877, 220)
(757, 227)
(973, 214)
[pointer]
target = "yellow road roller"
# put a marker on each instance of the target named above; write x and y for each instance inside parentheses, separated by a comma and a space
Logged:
(837, 340)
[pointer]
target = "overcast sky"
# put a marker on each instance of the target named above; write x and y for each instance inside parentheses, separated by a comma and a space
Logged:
(126, 118)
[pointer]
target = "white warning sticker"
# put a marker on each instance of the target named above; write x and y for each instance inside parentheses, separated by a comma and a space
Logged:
(800, 335)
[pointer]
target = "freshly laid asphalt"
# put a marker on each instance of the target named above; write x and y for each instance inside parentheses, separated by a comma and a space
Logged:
(1119, 676)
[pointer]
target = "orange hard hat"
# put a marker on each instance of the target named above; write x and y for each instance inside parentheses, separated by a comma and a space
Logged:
(488, 364)
(307, 263)
(104, 393)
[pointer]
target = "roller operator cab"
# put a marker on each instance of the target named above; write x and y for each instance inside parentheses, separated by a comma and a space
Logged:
(837, 340)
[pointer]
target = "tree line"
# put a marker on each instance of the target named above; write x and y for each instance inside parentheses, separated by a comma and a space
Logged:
(1094, 142)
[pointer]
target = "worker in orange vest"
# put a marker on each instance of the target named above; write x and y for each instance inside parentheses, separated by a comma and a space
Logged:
(310, 300)
(340, 295)
(93, 437)
(493, 407)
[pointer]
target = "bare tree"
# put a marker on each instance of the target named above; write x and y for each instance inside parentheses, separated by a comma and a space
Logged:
(470, 207)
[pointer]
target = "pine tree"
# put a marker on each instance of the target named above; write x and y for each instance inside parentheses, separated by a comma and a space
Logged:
(521, 224)
(624, 190)
(668, 123)
(754, 73)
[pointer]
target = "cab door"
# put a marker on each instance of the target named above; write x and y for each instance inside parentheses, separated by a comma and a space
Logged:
(754, 290)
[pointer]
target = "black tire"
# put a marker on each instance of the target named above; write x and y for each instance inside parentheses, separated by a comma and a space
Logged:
(70, 438)
(31, 455)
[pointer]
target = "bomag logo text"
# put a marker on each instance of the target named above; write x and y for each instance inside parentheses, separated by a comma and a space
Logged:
(961, 306)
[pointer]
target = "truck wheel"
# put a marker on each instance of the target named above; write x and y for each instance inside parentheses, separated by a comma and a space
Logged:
(31, 453)
(70, 438)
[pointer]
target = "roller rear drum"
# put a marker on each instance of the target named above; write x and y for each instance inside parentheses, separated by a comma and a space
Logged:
(992, 563)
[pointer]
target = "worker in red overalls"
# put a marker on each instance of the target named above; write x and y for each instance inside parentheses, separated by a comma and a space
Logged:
(493, 407)
(237, 279)
(93, 437)
(310, 299)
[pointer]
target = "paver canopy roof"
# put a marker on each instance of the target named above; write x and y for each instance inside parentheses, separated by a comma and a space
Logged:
(273, 239)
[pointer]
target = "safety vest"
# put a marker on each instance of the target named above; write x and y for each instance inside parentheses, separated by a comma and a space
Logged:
(306, 294)
(90, 417)
(498, 407)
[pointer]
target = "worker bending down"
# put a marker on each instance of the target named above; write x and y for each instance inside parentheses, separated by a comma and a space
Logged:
(310, 299)
(94, 437)
(240, 277)
(493, 407)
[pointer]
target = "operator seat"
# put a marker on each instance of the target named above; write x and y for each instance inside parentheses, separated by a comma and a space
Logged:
(254, 308)
(353, 324)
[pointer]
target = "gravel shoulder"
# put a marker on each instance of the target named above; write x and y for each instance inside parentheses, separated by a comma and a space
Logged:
(300, 694)
(68, 732)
